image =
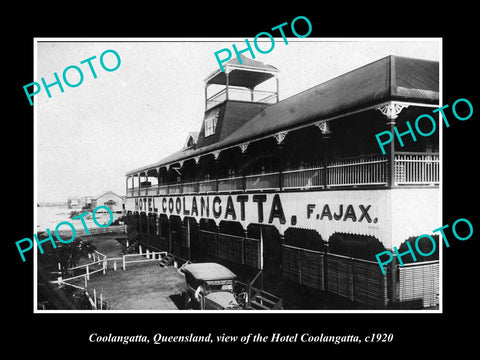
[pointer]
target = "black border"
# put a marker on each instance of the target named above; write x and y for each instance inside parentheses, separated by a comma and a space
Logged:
(413, 333)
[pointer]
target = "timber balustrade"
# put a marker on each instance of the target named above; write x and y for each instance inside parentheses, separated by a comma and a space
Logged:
(409, 169)
(417, 168)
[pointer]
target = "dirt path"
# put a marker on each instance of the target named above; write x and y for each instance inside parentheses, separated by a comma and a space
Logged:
(108, 244)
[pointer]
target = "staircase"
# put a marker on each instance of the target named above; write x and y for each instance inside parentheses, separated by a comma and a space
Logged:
(166, 260)
(262, 300)
(132, 236)
(259, 299)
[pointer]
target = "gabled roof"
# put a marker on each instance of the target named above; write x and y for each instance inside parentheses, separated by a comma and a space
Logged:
(390, 78)
(104, 193)
(191, 135)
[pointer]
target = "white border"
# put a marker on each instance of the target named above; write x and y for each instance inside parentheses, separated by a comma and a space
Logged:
(239, 312)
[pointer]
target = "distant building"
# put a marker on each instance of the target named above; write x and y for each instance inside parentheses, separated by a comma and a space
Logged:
(110, 199)
(73, 202)
(86, 201)
(79, 201)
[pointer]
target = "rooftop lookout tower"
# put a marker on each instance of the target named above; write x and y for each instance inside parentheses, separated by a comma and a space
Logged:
(235, 96)
(238, 82)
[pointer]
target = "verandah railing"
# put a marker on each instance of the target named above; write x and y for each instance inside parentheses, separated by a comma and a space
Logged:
(303, 178)
(417, 168)
(231, 184)
(358, 171)
(269, 181)
(409, 169)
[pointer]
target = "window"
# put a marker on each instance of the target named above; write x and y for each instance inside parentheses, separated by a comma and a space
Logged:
(211, 123)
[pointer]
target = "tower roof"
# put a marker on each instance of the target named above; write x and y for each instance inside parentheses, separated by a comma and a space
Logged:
(248, 74)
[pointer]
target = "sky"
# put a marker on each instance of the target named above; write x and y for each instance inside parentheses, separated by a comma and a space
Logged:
(90, 136)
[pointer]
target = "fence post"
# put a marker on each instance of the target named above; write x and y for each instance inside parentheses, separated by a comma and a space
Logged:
(95, 298)
(148, 254)
(86, 283)
(88, 273)
(115, 265)
(101, 301)
(104, 266)
(123, 258)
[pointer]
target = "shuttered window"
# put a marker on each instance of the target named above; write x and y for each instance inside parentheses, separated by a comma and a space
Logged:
(211, 123)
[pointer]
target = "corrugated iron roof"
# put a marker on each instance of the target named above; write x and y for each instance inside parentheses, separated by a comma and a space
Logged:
(390, 78)
(248, 74)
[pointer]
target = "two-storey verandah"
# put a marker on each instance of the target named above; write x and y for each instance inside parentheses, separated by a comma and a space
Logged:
(308, 158)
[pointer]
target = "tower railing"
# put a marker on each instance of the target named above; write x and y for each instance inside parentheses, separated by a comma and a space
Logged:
(241, 94)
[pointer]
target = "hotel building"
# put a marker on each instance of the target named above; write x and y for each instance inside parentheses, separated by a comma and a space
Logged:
(295, 196)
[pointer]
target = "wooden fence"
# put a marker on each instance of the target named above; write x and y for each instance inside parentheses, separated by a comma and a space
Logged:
(304, 266)
(100, 264)
(237, 249)
(356, 279)
(419, 281)
(359, 280)
(136, 258)
(99, 260)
